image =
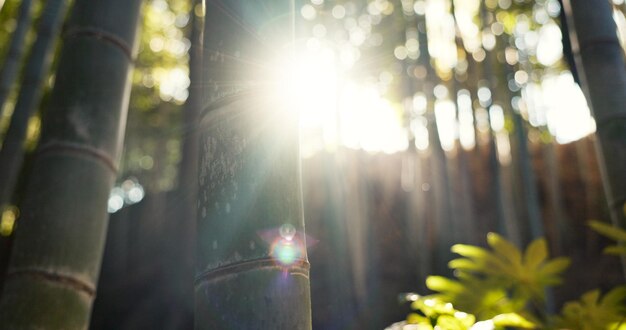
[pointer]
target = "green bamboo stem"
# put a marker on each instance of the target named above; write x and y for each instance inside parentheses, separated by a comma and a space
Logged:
(10, 68)
(250, 185)
(52, 276)
(249, 178)
(599, 58)
(36, 69)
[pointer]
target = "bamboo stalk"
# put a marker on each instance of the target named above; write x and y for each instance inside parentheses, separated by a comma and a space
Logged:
(11, 65)
(188, 167)
(252, 270)
(249, 195)
(600, 61)
(51, 281)
(36, 68)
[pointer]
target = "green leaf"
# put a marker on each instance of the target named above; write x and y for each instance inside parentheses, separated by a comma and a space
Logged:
(464, 264)
(443, 284)
(536, 253)
(615, 250)
(607, 230)
(414, 318)
(505, 249)
(617, 326)
(614, 297)
(590, 298)
(555, 266)
(449, 322)
(470, 251)
(513, 320)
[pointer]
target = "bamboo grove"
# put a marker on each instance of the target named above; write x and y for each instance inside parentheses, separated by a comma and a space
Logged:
(422, 124)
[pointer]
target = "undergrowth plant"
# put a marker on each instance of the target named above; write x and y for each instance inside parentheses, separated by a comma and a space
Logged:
(505, 288)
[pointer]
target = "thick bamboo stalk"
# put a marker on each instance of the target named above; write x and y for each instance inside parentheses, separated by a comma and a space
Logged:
(11, 65)
(252, 269)
(36, 68)
(51, 281)
(251, 264)
(600, 62)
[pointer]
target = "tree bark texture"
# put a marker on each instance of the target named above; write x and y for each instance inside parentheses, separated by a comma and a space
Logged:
(36, 69)
(249, 192)
(600, 62)
(52, 276)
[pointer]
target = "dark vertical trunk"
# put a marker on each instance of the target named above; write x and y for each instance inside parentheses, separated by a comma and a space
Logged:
(559, 223)
(51, 281)
(600, 63)
(11, 64)
(252, 270)
(188, 167)
(36, 69)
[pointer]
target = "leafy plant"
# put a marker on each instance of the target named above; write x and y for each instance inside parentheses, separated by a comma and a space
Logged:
(434, 313)
(503, 287)
(500, 280)
(593, 312)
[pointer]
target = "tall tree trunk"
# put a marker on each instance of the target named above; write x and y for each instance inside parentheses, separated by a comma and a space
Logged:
(252, 270)
(36, 69)
(188, 167)
(600, 61)
(51, 281)
(11, 65)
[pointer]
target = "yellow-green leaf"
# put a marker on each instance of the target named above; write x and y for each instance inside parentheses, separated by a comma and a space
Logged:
(443, 284)
(469, 251)
(614, 297)
(449, 322)
(513, 320)
(607, 230)
(536, 253)
(590, 298)
(615, 250)
(464, 264)
(505, 249)
(555, 266)
(414, 318)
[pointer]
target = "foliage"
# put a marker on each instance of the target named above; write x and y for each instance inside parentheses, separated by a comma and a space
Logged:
(613, 233)
(595, 312)
(503, 280)
(432, 312)
(505, 288)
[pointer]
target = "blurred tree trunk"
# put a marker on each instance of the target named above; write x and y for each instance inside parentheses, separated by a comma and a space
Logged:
(560, 224)
(51, 281)
(36, 69)
(11, 65)
(252, 270)
(502, 189)
(185, 218)
(600, 62)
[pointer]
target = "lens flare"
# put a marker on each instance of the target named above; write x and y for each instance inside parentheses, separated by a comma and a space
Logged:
(287, 231)
(287, 249)
(287, 252)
